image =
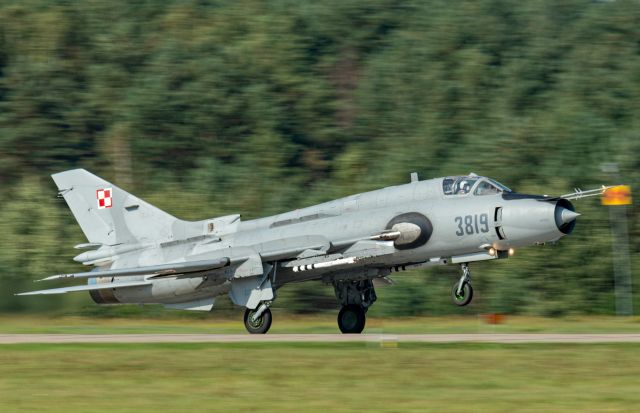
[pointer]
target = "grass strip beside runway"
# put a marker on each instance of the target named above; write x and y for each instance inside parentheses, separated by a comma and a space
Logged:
(319, 377)
(187, 323)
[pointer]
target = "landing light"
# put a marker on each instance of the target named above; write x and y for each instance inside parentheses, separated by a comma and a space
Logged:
(511, 251)
(492, 251)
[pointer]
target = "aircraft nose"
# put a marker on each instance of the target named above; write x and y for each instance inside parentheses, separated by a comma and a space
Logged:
(529, 221)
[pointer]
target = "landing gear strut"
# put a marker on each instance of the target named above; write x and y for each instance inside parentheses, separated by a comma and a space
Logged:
(355, 297)
(462, 292)
(259, 320)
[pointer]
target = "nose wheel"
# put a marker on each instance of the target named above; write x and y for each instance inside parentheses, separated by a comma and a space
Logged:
(259, 320)
(462, 292)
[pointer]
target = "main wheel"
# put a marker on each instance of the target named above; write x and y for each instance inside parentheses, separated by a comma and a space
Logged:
(261, 325)
(351, 319)
(465, 295)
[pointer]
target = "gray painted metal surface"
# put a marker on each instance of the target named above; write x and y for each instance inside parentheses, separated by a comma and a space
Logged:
(141, 254)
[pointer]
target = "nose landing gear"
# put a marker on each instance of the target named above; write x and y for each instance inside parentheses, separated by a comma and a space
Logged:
(462, 292)
(259, 320)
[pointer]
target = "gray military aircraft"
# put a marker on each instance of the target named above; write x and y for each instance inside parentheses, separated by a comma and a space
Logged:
(142, 254)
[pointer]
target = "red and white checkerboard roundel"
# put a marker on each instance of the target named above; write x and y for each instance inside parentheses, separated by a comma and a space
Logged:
(104, 197)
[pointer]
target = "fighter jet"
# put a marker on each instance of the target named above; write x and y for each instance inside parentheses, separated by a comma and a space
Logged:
(140, 254)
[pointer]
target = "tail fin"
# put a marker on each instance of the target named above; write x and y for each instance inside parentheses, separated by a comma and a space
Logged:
(109, 215)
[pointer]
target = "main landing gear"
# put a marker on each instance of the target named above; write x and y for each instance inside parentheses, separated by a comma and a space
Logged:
(351, 319)
(259, 320)
(462, 292)
(355, 297)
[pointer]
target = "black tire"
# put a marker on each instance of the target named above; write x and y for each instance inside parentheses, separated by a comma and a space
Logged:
(465, 296)
(351, 319)
(261, 325)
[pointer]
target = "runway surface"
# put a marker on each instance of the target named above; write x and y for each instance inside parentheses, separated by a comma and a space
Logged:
(318, 338)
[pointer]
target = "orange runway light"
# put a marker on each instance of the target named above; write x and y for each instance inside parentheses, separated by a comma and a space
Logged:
(494, 318)
(617, 195)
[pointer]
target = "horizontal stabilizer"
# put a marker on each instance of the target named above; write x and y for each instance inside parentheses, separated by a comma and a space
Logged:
(89, 287)
(154, 270)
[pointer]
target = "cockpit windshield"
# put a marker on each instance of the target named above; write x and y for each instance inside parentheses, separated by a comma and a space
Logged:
(499, 185)
(486, 188)
(463, 185)
(459, 185)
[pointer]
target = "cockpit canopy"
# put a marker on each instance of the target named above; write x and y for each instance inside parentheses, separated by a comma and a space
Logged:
(478, 185)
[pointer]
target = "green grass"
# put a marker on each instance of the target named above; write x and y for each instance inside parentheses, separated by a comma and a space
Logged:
(316, 324)
(280, 377)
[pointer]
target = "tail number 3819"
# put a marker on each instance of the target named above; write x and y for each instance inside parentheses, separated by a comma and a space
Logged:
(472, 224)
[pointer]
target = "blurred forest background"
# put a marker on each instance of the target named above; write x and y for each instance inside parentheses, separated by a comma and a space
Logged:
(206, 108)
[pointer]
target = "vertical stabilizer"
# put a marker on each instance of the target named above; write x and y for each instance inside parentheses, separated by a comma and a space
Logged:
(109, 215)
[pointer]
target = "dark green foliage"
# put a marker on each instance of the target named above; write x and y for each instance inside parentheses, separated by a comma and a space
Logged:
(259, 108)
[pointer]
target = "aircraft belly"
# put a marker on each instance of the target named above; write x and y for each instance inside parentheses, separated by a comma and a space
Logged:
(287, 276)
(174, 290)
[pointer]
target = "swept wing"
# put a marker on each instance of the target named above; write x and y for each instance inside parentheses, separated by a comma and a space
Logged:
(89, 287)
(181, 268)
(153, 270)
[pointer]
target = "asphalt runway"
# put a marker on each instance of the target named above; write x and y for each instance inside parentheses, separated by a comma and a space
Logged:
(318, 338)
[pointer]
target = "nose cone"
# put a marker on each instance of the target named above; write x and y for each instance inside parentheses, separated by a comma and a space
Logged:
(565, 216)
